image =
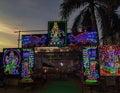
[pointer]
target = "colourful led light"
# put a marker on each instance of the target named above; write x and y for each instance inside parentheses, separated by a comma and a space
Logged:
(11, 61)
(57, 33)
(84, 37)
(27, 63)
(90, 62)
(91, 81)
(34, 40)
(109, 60)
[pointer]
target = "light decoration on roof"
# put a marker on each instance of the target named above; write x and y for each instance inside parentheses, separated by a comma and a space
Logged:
(89, 37)
(34, 40)
(57, 33)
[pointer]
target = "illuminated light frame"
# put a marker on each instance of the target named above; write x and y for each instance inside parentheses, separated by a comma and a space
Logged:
(89, 37)
(26, 72)
(18, 52)
(109, 60)
(40, 40)
(91, 71)
(62, 26)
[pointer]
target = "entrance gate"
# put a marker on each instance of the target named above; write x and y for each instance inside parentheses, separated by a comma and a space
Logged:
(60, 60)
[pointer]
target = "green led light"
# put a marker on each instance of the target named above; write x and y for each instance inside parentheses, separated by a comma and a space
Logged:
(27, 79)
(91, 80)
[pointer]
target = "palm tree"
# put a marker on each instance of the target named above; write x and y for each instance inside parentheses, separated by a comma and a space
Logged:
(91, 13)
(111, 30)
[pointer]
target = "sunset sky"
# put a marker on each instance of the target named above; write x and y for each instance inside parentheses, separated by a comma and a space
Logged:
(18, 15)
(23, 15)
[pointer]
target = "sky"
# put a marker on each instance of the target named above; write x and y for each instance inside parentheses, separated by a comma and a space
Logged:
(22, 15)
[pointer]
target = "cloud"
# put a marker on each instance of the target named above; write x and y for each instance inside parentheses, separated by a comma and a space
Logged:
(20, 15)
(31, 14)
(6, 28)
(7, 36)
(7, 44)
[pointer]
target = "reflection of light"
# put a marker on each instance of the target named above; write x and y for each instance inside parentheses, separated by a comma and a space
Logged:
(61, 64)
(36, 51)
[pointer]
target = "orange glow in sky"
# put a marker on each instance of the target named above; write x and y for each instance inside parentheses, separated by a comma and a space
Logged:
(7, 37)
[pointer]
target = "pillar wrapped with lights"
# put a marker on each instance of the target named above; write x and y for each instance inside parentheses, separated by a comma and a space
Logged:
(90, 63)
(27, 64)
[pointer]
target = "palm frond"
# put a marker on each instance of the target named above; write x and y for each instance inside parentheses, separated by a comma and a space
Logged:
(68, 6)
(87, 22)
(79, 20)
(115, 22)
(112, 4)
(105, 22)
(98, 4)
(98, 23)
(100, 12)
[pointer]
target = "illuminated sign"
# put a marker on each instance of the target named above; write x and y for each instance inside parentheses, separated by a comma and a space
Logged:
(12, 61)
(57, 33)
(35, 40)
(27, 63)
(89, 37)
(109, 60)
(90, 62)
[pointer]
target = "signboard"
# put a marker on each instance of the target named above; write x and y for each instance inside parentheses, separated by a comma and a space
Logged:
(34, 40)
(57, 33)
(27, 63)
(109, 60)
(90, 63)
(89, 38)
(12, 61)
(18, 61)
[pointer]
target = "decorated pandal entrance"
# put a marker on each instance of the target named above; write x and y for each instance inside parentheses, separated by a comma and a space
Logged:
(59, 60)
(62, 52)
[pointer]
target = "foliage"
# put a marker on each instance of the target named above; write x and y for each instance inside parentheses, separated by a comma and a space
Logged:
(93, 14)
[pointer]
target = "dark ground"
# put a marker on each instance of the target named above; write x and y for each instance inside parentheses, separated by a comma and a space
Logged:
(40, 87)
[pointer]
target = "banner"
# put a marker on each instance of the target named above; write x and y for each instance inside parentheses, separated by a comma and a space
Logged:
(57, 33)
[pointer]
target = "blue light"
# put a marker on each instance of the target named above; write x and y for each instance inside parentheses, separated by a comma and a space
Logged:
(84, 37)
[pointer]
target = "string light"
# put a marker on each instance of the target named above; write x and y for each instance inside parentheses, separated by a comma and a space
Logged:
(90, 62)
(27, 63)
(110, 60)
(11, 61)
